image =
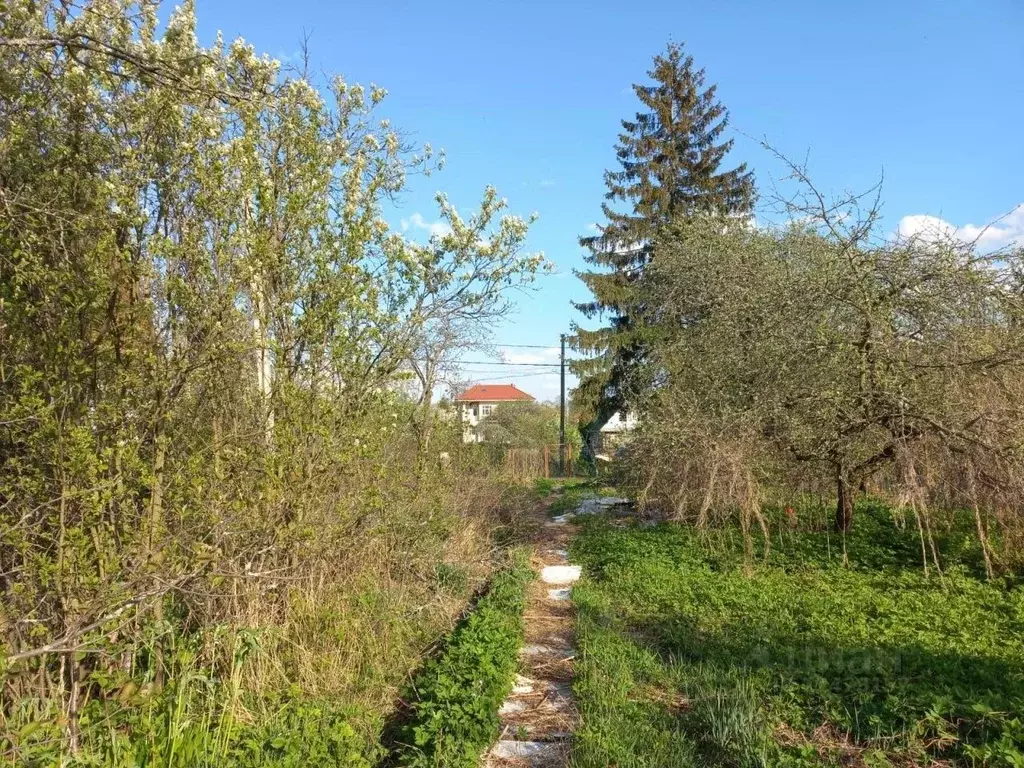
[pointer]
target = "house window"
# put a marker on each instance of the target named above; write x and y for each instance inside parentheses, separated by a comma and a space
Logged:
(485, 410)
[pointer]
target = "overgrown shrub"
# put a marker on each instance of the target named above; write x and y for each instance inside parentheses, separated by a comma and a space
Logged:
(825, 356)
(205, 432)
(304, 733)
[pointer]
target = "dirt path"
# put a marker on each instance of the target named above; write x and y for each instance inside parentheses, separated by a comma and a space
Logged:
(539, 716)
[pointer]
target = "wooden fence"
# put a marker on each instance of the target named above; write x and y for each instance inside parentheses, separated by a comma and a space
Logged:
(532, 463)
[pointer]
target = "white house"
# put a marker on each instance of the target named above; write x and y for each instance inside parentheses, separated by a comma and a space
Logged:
(616, 433)
(479, 401)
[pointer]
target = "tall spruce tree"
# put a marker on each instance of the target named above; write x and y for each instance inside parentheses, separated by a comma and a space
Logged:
(670, 159)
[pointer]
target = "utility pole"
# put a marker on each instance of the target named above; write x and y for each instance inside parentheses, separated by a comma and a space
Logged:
(561, 418)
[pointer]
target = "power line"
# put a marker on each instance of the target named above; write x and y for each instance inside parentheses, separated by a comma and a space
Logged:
(478, 372)
(528, 346)
(497, 362)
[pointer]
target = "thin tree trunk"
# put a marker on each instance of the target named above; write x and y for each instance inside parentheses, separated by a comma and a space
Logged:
(983, 539)
(979, 523)
(755, 507)
(709, 491)
(156, 506)
(156, 513)
(920, 533)
(74, 734)
(844, 502)
(264, 361)
(591, 433)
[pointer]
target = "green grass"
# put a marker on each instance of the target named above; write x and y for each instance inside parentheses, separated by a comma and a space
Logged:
(455, 700)
(689, 656)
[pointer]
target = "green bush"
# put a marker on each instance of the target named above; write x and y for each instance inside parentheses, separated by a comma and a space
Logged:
(158, 494)
(451, 578)
(303, 733)
(454, 716)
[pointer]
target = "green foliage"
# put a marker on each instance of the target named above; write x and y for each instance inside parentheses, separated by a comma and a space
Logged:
(304, 733)
(452, 578)
(454, 714)
(545, 486)
(207, 320)
(521, 425)
(690, 654)
(670, 158)
(198, 719)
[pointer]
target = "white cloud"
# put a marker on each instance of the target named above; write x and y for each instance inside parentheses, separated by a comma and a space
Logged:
(295, 57)
(545, 183)
(542, 387)
(593, 227)
(1001, 231)
(434, 228)
(925, 227)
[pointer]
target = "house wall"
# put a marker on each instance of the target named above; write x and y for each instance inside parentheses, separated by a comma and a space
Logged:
(619, 424)
(472, 414)
(616, 433)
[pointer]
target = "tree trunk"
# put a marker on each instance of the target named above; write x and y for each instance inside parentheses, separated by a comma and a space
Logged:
(591, 433)
(844, 502)
(979, 523)
(156, 527)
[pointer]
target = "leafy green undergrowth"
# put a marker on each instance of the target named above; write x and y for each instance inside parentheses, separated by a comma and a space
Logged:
(308, 732)
(545, 486)
(195, 722)
(690, 656)
(455, 700)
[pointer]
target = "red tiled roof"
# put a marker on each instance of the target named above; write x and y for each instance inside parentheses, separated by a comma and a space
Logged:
(493, 393)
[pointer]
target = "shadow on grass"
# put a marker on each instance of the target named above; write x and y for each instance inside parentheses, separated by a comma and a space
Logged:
(871, 692)
(718, 699)
(782, 668)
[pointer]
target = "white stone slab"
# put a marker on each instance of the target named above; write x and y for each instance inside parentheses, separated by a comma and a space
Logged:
(547, 650)
(560, 574)
(511, 706)
(561, 690)
(602, 504)
(523, 685)
(527, 749)
(561, 593)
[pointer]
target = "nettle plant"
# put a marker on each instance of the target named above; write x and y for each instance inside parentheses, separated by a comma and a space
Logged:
(454, 715)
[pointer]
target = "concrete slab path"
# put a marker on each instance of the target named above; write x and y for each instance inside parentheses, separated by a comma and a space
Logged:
(539, 716)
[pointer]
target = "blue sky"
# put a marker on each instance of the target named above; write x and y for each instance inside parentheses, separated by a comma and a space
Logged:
(527, 96)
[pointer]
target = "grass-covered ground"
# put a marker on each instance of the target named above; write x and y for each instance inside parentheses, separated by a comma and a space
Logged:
(689, 656)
